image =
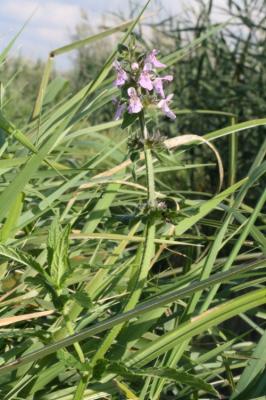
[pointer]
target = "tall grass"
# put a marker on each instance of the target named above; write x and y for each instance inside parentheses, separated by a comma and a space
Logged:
(101, 299)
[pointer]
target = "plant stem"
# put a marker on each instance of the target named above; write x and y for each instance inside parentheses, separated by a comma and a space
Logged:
(147, 255)
(148, 163)
(76, 345)
(84, 375)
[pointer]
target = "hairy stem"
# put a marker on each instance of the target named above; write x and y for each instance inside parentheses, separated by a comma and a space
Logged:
(147, 251)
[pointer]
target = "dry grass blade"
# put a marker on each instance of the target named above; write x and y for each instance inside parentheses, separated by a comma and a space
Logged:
(24, 317)
(171, 144)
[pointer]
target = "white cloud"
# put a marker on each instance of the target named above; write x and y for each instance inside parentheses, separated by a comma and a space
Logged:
(46, 12)
(50, 26)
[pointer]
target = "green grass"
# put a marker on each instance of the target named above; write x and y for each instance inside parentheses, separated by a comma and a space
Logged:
(163, 306)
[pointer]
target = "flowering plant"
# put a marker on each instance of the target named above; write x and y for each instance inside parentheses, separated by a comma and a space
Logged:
(140, 83)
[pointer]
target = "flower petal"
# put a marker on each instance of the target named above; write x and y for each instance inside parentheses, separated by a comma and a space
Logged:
(169, 113)
(169, 97)
(163, 105)
(119, 111)
(158, 86)
(121, 77)
(145, 81)
(135, 105)
(131, 92)
(151, 58)
(147, 67)
(168, 78)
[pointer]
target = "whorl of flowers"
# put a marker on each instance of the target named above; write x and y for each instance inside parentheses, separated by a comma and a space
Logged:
(140, 83)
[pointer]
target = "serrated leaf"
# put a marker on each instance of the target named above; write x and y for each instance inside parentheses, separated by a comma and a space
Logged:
(22, 258)
(171, 374)
(83, 299)
(58, 243)
(67, 358)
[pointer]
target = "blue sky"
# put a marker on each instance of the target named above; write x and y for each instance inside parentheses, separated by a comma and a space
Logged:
(53, 21)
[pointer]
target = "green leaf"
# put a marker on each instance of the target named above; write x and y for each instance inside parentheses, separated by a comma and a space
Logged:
(58, 243)
(7, 49)
(235, 128)
(128, 120)
(197, 325)
(121, 48)
(125, 390)
(54, 88)
(9, 226)
(22, 258)
(83, 299)
(181, 378)
(252, 381)
(188, 330)
(206, 207)
(67, 358)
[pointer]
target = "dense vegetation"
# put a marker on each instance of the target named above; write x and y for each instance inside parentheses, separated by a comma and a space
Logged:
(133, 260)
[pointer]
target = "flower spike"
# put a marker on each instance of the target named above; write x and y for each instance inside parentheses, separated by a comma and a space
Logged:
(141, 85)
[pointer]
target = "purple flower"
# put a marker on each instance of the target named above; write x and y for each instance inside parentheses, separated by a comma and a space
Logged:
(134, 66)
(147, 67)
(158, 84)
(120, 108)
(119, 111)
(121, 77)
(164, 106)
(151, 58)
(145, 80)
(135, 105)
